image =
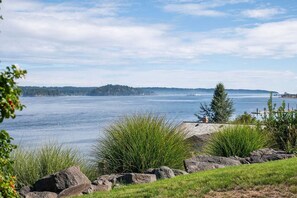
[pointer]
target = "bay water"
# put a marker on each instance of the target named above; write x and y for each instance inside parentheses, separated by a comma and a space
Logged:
(77, 121)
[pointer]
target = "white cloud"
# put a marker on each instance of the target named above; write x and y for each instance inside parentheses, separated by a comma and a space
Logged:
(193, 9)
(76, 36)
(262, 13)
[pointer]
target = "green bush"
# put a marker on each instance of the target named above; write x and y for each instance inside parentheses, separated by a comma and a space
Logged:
(139, 142)
(282, 126)
(9, 104)
(236, 141)
(245, 118)
(31, 165)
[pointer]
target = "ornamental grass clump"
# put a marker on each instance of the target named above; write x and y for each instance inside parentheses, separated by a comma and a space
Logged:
(31, 165)
(139, 142)
(237, 141)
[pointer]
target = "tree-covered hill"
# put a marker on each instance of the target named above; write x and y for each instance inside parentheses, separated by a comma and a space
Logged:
(117, 90)
(122, 90)
(107, 90)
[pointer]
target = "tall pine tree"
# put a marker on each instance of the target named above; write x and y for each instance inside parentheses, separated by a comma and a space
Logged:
(221, 107)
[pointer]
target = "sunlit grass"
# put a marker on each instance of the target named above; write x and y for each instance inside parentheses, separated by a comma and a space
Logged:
(31, 165)
(198, 184)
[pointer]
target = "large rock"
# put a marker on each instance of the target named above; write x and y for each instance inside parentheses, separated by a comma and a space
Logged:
(163, 172)
(62, 180)
(198, 141)
(41, 195)
(178, 172)
(24, 191)
(267, 154)
(136, 178)
(202, 163)
(74, 190)
(113, 178)
(101, 185)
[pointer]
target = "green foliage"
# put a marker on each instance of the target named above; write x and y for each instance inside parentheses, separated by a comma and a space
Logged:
(7, 180)
(236, 141)
(10, 92)
(243, 177)
(31, 165)
(7, 188)
(245, 118)
(9, 103)
(221, 107)
(6, 147)
(139, 142)
(282, 125)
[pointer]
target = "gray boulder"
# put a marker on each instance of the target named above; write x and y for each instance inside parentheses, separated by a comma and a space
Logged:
(62, 180)
(74, 190)
(24, 191)
(136, 178)
(41, 195)
(178, 172)
(202, 163)
(267, 154)
(163, 172)
(101, 185)
(113, 178)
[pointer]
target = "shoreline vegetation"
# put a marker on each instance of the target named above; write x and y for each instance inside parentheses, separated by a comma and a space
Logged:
(123, 90)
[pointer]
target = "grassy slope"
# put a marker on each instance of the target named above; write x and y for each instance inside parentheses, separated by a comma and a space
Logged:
(198, 184)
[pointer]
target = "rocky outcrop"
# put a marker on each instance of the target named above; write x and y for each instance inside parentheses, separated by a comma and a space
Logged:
(72, 182)
(202, 163)
(267, 154)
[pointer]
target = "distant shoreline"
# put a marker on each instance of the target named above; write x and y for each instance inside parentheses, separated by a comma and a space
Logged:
(122, 90)
(287, 95)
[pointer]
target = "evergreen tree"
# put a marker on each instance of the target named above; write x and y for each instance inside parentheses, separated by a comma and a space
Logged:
(221, 107)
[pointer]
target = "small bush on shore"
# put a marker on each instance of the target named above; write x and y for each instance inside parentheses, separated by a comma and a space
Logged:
(139, 142)
(236, 141)
(31, 165)
(245, 118)
(281, 124)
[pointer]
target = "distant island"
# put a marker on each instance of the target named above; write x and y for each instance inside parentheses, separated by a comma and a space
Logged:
(123, 90)
(288, 95)
(107, 90)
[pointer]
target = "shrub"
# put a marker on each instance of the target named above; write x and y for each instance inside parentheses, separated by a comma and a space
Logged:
(245, 118)
(139, 142)
(282, 125)
(7, 188)
(236, 141)
(9, 103)
(31, 165)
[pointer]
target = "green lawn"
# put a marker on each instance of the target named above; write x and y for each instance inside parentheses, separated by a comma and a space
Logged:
(198, 184)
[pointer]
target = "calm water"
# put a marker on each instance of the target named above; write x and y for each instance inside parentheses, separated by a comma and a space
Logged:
(78, 121)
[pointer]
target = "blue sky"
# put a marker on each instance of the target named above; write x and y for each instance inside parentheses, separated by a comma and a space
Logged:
(174, 43)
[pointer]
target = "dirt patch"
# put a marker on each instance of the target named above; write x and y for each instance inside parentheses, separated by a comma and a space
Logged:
(257, 192)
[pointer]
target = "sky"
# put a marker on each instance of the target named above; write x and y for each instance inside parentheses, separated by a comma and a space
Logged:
(248, 44)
